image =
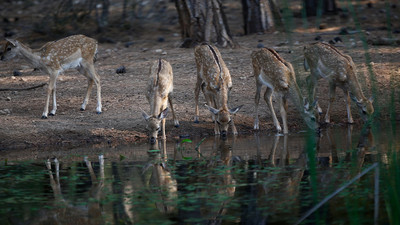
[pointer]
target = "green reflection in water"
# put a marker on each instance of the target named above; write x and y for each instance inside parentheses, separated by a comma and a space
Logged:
(255, 180)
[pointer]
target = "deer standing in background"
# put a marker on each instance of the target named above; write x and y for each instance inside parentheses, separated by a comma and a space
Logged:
(278, 76)
(325, 61)
(77, 51)
(159, 93)
(214, 79)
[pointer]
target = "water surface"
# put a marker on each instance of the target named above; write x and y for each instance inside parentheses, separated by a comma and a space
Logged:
(257, 179)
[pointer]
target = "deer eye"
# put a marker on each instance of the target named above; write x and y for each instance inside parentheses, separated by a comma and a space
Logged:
(8, 49)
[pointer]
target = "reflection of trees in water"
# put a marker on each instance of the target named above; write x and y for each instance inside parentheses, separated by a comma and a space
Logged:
(340, 157)
(274, 181)
(271, 185)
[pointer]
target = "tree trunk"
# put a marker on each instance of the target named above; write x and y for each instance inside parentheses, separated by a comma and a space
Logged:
(312, 6)
(259, 15)
(102, 19)
(203, 21)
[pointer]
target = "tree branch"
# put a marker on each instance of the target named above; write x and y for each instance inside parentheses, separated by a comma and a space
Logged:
(22, 89)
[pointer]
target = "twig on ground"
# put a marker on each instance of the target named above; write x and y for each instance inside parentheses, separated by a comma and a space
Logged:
(22, 89)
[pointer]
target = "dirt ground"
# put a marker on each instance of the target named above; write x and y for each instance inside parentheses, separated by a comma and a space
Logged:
(123, 94)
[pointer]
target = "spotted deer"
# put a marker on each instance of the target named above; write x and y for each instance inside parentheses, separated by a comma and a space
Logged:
(214, 79)
(272, 71)
(159, 93)
(326, 61)
(77, 51)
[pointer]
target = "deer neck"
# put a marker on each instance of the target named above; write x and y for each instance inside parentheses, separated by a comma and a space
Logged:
(296, 97)
(355, 89)
(155, 105)
(30, 55)
(223, 97)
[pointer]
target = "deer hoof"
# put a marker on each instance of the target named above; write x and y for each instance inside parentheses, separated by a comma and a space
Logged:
(196, 121)
(51, 114)
(98, 112)
(44, 117)
(82, 109)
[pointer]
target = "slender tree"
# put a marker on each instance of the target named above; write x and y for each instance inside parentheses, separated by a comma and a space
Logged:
(203, 21)
(319, 7)
(260, 15)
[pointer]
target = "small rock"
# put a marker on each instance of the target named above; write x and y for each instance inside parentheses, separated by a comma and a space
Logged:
(16, 73)
(331, 42)
(318, 38)
(121, 69)
(161, 39)
(343, 31)
(8, 99)
(260, 45)
(158, 50)
(164, 53)
(5, 112)
(323, 26)
(337, 39)
(128, 44)
(9, 34)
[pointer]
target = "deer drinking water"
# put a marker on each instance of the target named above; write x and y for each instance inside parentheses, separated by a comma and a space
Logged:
(325, 61)
(77, 51)
(214, 79)
(278, 76)
(159, 93)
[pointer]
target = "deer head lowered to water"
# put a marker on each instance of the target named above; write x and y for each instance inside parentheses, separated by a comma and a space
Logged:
(278, 76)
(77, 51)
(326, 61)
(214, 79)
(159, 93)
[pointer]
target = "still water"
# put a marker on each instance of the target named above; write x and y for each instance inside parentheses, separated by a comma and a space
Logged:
(257, 179)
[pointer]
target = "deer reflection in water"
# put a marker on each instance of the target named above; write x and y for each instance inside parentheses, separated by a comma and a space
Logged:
(207, 183)
(66, 212)
(154, 179)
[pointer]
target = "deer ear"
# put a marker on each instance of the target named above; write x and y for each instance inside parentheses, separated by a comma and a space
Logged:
(235, 110)
(371, 99)
(306, 103)
(12, 41)
(215, 111)
(145, 116)
(163, 114)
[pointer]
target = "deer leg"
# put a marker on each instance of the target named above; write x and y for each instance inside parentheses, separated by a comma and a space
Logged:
(163, 129)
(196, 97)
(312, 89)
(176, 122)
(50, 91)
(283, 111)
(234, 131)
(211, 102)
(88, 91)
(348, 106)
(332, 90)
(53, 111)
(268, 98)
(257, 101)
(91, 72)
